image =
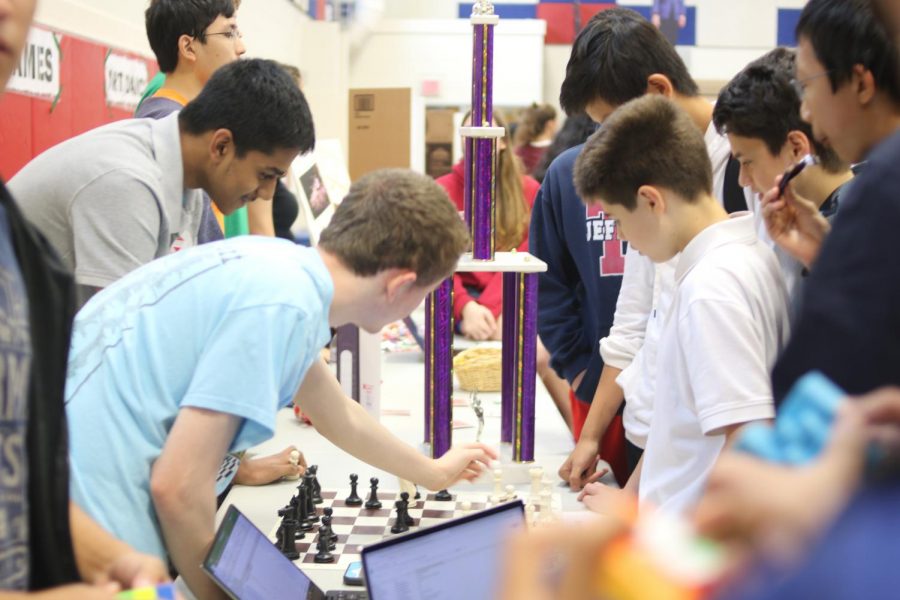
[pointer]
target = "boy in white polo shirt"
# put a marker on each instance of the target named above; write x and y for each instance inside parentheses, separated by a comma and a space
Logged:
(649, 167)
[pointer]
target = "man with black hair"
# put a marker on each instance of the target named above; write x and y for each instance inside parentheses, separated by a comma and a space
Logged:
(759, 111)
(48, 545)
(141, 190)
(849, 324)
(191, 40)
(617, 57)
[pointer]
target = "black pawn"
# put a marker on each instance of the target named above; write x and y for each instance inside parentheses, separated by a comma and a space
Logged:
(323, 549)
(443, 496)
(353, 499)
(418, 496)
(286, 535)
(326, 532)
(328, 513)
(400, 524)
(316, 488)
(373, 503)
(404, 497)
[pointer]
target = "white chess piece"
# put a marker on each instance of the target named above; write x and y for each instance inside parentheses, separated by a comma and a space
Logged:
(537, 473)
(466, 507)
(509, 494)
(546, 506)
(529, 515)
(295, 460)
(497, 496)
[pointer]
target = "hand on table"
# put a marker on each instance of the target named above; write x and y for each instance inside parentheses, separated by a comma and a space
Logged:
(580, 468)
(606, 500)
(464, 462)
(268, 469)
(478, 322)
(794, 223)
(136, 570)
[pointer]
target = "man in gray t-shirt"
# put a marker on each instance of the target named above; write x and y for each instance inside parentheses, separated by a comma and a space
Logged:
(116, 197)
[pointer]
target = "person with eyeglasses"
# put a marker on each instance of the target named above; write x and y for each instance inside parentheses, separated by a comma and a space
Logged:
(191, 41)
(849, 322)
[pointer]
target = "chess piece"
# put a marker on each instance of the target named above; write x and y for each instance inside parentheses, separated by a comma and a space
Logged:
(286, 534)
(404, 497)
(546, 507)
(443, 496)
(497, 496)
(326, 532)
(373, 503)
(302, 510)
(400, 522)
(530, 519)
(295, 460)
(323, 549)
(466, 507)
(313, 470)
(418, 496)
(353, 499)
(537, 473)
(509, 493)
(329, 512)
(312, 514)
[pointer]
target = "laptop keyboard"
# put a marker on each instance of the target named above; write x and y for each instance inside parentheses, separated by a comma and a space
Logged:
(346, 595)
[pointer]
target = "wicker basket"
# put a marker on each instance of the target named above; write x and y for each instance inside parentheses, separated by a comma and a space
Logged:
(478, 369)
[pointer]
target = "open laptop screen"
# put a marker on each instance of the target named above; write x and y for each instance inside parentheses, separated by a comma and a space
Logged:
(249, 567)
(459, 559)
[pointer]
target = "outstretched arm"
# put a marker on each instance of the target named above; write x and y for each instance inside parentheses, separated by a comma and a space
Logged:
(346, 424)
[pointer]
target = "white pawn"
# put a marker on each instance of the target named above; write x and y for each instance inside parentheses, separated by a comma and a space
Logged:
(466, 507)
(509, 494)
(537, 473)
(530, 519)
(546, 507)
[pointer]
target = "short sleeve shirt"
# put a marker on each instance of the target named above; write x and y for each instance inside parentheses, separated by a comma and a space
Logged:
(231, 327)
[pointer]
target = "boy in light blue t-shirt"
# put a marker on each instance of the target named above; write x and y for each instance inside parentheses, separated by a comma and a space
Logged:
(191, 356)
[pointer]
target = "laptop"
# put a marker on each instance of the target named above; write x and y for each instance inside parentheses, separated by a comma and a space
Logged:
(449, 561)
(248, 566)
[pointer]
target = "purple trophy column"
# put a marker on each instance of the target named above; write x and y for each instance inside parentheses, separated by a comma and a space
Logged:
(526, 364)
(439, 368)
(481, 153)
(509, 353)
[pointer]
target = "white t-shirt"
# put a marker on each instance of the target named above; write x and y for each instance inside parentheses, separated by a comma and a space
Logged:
(642, 305)
(726, 324)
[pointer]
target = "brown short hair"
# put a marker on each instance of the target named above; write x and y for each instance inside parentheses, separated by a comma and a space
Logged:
(648, 141)
(394, 218)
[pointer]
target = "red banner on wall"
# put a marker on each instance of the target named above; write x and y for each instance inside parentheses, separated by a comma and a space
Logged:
(64, 86)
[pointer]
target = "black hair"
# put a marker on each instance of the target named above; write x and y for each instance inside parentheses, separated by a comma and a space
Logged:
(647, 141)
(845, 33)
(168, 20)
(613, 56)
(258, 102)
(575, 130)
(762, 103)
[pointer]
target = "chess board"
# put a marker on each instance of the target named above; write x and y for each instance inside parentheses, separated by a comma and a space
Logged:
(357, 526)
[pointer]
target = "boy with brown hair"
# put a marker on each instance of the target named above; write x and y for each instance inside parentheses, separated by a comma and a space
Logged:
(251, 314)
(649, 167)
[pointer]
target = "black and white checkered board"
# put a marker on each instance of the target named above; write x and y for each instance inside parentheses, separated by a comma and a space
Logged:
(357, 526)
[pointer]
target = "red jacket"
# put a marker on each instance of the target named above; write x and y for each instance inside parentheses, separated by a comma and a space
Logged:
(489, 284)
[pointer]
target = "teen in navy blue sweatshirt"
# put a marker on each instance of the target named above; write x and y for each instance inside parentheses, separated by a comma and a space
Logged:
(575, 306)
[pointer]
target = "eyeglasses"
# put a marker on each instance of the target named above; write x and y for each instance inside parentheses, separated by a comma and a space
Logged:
(232, 34)
(799, 85)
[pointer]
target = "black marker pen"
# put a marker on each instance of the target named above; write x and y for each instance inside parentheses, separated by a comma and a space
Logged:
(804, 162)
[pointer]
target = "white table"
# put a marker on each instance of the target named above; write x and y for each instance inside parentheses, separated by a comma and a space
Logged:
(402, 403)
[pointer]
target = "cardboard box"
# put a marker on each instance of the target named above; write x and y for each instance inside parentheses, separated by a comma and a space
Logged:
(380, 129)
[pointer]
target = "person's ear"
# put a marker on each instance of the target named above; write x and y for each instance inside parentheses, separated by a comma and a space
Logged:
(186, 48)
(399, 281)
(221, 145)
(864, 82)
(660, 84)
(652, 199)
(799, 144)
